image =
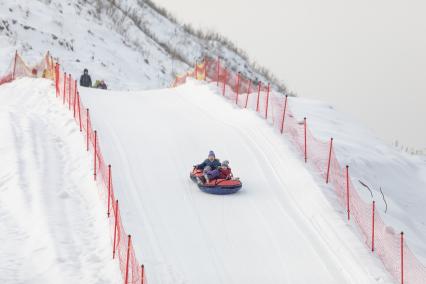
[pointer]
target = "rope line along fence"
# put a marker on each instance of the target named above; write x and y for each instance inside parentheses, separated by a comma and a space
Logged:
(383, 240)
(67, 93)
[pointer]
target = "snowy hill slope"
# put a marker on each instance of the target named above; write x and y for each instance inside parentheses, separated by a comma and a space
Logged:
(397, 180)
(280, 228)
(52, 225)
(130, 43)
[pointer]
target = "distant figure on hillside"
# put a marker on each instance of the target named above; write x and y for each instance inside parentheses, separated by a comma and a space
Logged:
(100, 84)
(85, 79)
(256, 82)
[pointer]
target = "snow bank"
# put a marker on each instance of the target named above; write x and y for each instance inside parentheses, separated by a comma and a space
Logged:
(52, 225)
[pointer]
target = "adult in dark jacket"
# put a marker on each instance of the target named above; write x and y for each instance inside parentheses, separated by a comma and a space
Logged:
(85, 79)
(210, 162)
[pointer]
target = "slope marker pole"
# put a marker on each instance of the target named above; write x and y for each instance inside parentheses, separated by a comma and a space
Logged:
(285, 108)
(329, 160)
(347, 193)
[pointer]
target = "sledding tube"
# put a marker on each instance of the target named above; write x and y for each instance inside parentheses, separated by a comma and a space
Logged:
(216, 186)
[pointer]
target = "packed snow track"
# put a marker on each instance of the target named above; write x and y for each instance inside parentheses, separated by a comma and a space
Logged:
(280, 228)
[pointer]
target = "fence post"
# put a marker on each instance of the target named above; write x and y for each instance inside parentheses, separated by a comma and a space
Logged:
(75, 95)
(285, 109)
(14, 65)
(127, 259)
(248, 93)
(402, 257)
(57, 79)
(372, 225)
(65, 83)
(79, 113)
(115, 228)
(51, 64)
(87, 129)
(329, 160)
(94, 157)
(237, 88)
(218, 70)
(196, 70)
(109, 188)
(224, 82)
(258, 96)
(347, 193)
(142, 274)
(267, 102)
(69, 91)
(306, 148)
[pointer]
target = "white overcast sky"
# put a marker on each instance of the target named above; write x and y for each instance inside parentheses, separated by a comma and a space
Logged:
(365, 57)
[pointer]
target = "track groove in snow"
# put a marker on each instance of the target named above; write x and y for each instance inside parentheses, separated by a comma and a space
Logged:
(52, 226)
(280, 228)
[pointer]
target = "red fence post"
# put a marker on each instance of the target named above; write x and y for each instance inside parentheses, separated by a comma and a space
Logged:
(75, 95)
(248, 93)
(127, 259)
(109, 188)
(347, 192)
(218, 70)
(258, 96)
(329, 160)
(51, 64)
(87, 129)
(196, 70)
(267, 102)
(115, 228)
(402, 257)
(14, 65)
(69, 92)
(224, 82)
(237, 88)
(94, 157)
(57, 79)
(285, 108)
(65, 83)
(79, 113)
(372, 225)
(142, 274)
(306, 146)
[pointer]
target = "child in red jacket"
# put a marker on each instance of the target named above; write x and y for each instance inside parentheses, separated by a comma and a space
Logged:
(225, 171)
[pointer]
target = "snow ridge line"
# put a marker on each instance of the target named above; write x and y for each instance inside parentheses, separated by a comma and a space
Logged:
(389, 245)
(67, 92)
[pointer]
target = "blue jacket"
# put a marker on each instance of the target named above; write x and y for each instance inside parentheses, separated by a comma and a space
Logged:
(212, 164)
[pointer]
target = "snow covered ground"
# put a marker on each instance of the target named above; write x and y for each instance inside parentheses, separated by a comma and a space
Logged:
(400, 176)
(280, 228)
(53, 228)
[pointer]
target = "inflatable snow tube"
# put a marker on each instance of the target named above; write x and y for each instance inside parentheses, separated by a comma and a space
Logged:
(216, 186)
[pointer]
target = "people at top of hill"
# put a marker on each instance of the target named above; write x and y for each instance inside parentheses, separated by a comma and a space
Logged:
(100, 84)
(85, 79)
(256, 82)
(211, 162)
